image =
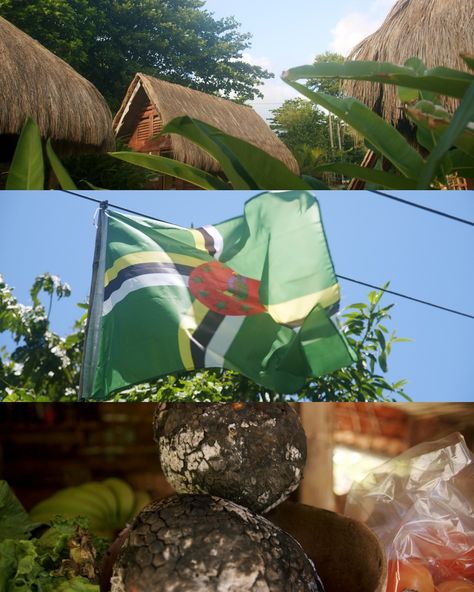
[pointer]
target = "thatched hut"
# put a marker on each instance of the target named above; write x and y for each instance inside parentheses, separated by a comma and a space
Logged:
(150, 103)
(436, 31)
(35, 83)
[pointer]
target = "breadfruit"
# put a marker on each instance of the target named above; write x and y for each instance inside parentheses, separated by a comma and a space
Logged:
(250, 453)
(201, 543)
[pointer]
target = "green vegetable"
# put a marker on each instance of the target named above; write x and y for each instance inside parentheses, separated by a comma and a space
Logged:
(61, 560)
(15, 522)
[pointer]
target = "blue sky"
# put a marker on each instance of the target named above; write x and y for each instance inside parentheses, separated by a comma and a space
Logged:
(371, 239)
(287, 34)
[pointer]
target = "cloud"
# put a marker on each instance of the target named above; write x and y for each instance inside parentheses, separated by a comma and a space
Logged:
(354, 26)
(261, 61)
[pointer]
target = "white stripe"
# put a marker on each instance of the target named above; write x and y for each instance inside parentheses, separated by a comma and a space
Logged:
(222, 340)
(217, 238)
(144, 281)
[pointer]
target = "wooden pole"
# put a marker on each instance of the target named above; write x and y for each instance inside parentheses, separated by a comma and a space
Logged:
(317, 485)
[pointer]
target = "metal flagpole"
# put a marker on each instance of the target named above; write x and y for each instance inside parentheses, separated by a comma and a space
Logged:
(96, 299)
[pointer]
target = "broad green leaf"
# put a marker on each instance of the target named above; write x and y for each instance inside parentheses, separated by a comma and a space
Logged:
(444, 81)
(387, 180)
(385, 138)
(58, 168)
(314, 183)
(469, 59)
(27, 166)
(437, 126)
(245, 165)
(462, 117)
(461, 163)
(168, 166)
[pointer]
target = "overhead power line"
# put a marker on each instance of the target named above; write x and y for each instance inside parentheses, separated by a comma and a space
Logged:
(420, 207)
(425, 302)
(342, 277)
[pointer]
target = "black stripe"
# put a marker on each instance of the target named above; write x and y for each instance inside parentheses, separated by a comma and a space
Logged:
(143, 269)
(203, 335)
(208, 241)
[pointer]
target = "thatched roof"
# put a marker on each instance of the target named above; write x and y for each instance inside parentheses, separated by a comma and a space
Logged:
(36, 83)
(173, 100)
(436, 31)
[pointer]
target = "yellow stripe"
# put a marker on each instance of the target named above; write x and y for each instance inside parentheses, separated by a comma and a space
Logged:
(188, 324)
(297, 309)
(148, 257)
(198, 239)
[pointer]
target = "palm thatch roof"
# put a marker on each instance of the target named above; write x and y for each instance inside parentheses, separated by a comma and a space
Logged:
(172, 100)
(436, 31)
(35, 83)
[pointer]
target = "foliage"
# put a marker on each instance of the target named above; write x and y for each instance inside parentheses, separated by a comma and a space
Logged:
(331, 86)
(305, 130)
(45, 367)
(102, 171)
(448, 138)
(108, 42)
(42, 366)
(60, 558)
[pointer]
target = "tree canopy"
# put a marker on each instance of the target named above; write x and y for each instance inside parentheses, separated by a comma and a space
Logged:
(40, 365)
(108, 41)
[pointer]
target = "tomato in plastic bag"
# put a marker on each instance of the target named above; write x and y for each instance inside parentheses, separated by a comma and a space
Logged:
(408, 575)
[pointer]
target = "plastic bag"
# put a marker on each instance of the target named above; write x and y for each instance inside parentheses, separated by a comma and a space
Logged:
(420, 504)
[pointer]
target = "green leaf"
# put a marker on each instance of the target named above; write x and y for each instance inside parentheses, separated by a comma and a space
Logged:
(463, 116)
(386, 139)
(27, 166)
(437, 126)
(314, 183)
(444, 81)
(387, 180)
(168, 166)
(245, 165)
(469, 60)
(380, 338)
(15, 522)
(61, 173)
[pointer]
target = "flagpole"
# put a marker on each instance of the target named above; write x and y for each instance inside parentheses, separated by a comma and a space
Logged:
(96, 298)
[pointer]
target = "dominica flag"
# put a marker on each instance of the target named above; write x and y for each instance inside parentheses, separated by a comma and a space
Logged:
(254, 294)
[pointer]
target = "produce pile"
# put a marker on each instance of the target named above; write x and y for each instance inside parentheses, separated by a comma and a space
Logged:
(58, 546)
(420, 505)
(108, 505)
(226, 462)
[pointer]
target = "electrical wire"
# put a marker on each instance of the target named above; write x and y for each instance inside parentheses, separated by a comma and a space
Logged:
(419, 206)
(342, 277)
(425, 302)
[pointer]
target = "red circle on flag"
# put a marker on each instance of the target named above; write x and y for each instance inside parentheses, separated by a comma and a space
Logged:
(224, 291)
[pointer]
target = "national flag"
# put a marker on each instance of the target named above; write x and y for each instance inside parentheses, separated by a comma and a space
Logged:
(254, 294)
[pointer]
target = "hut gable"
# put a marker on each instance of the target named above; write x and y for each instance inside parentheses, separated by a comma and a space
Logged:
(36, 83)
(151, 103)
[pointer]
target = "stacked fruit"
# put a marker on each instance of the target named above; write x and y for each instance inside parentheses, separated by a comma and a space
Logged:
(226, 462)
(108, 505)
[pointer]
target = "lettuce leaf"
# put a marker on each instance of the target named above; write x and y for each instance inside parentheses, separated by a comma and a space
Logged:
(15, 522)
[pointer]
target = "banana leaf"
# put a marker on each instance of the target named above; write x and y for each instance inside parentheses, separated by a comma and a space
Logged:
(61, 173)
(382, 178)
(440, 80)
(245, 165)
(27, 166)
(384, 137)
(168, 166)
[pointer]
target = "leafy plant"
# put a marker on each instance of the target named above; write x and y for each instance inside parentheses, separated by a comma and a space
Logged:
(42, 366)
(419, 89)
(61, 557)
(45, 367)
